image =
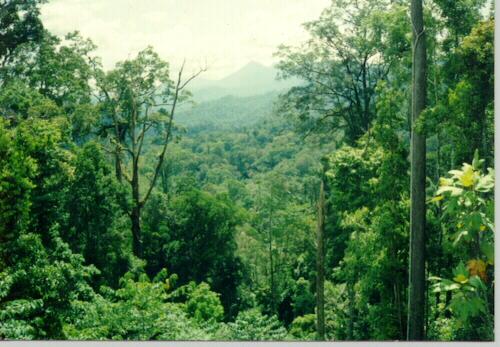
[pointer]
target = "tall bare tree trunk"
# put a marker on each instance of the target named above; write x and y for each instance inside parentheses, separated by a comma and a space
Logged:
(135, 218)
(351, 310)
(272, 283)
(271, 278)
(320, 265)
(135, 215)
(416, 293)
(397, 300)
(118, 166)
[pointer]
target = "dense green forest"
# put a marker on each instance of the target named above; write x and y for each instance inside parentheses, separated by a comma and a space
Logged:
(130, 209)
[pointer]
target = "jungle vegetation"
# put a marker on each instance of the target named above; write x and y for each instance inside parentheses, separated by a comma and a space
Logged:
(128, 213)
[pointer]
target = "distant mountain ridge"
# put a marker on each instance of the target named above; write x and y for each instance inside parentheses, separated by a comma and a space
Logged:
(252, 79)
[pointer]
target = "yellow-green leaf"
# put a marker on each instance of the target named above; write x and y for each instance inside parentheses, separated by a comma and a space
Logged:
(453, 190)
(468, 177)
(437, 198)
(460, 278)
(445, 182)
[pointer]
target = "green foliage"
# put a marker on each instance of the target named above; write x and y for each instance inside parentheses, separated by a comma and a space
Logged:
(16, 172)
(350, 176)
(44, 141)
(35, 171)
(466, 198)
(204, 305)
(368, 249)
(18, 100)
(229, 113)
(40, 275)
(19, 24)
(460, 16)
(196, 240)
(230, 209)
(468, 98)
(341, 65)
(136, 311)
(59, 74)
(39, 286)
(129, 95)
(337, 318)
(303, 327)
(96, 219)
(303, 300)
(252, 325)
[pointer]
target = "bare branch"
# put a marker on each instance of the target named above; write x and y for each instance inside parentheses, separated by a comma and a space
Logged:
(178, 87)
(192, 77)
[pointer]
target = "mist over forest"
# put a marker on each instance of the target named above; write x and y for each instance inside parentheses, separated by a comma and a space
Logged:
(343, 193)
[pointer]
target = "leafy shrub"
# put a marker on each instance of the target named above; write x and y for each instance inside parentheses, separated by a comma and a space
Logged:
(136, 311)
(467, 197)
(304, 327)
(253, 325)
(203, 304)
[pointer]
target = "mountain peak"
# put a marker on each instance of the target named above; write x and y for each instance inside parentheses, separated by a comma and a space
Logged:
(252, 79)
(254, 64)
(250, 71)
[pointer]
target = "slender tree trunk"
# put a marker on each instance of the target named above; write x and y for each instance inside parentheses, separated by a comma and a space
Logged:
(320, 265)
(135, 217)
(436, 307)
(135, 214)
(447, 312)
(452, 157)
(416, 293)
(438, 157)
(427, 308)
(118, 166)
(397, 300)
(352, 313)
(271, 264)
(484, 139)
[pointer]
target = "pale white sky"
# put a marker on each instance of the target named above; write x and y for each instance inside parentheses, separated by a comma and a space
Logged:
(226, 34)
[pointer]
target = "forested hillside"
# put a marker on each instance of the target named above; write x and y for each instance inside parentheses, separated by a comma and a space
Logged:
(251, 79)
(227, 113)
(133, 208)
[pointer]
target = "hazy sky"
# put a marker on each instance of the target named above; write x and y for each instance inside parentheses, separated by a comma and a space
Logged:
(225, 33)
